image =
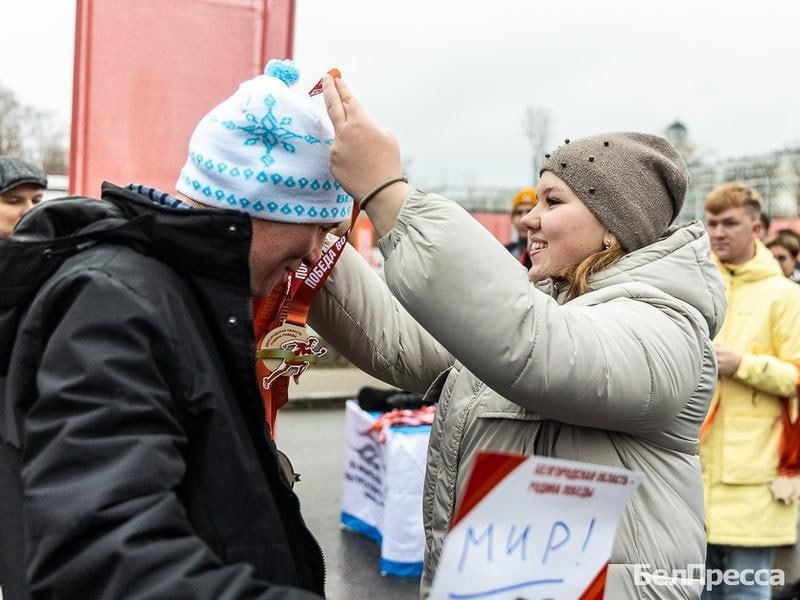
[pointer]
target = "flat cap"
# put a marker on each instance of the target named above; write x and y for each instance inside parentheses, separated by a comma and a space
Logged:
(15, 171)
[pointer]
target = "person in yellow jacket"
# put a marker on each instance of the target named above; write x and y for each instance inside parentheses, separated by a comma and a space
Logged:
(749, 443)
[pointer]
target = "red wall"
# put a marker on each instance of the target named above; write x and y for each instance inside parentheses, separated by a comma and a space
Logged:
(499, 224)
(146, 72)
(780, 223)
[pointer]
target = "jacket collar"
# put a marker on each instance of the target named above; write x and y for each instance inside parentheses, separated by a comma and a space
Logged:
(761, 266)
(212, 243)
(202, 245)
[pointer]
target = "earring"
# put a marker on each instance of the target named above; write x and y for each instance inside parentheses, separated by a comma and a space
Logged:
(607, 244)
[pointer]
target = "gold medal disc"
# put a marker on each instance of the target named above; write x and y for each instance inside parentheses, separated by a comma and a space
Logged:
(275, 343)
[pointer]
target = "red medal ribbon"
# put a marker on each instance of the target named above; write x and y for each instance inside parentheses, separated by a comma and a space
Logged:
(287, 350)
(307, 286)
(307, 281)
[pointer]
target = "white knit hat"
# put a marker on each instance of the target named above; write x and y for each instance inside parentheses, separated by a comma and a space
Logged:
(265, 151)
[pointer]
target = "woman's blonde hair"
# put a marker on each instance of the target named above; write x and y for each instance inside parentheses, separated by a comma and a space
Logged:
(577, 276)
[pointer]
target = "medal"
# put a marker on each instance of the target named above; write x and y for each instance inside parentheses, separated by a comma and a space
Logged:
(280, 343)
(287, 351)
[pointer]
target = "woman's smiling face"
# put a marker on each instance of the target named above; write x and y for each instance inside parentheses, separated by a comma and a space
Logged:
(562, 232)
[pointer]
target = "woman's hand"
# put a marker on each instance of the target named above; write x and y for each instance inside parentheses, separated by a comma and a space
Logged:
(363, 155)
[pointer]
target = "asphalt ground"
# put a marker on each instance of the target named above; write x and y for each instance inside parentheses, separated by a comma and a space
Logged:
(313, 438)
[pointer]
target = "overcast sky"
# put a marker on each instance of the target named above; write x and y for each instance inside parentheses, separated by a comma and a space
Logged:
(452, 78)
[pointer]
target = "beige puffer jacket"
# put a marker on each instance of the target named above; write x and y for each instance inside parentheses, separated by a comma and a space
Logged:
(621, 376)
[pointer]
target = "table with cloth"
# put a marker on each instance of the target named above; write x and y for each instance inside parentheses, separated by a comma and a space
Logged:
(382, 488)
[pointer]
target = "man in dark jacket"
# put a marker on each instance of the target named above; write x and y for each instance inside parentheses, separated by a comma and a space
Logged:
(130, 413)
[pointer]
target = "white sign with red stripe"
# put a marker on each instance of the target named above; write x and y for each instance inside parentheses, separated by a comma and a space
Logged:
(533, 527)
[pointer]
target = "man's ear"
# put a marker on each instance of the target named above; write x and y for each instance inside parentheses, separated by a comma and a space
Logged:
(758, 227)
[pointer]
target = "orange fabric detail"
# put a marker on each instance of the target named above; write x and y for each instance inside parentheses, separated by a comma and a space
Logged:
(710, 416)
(789, 463)
(265, 318)
(789, 453)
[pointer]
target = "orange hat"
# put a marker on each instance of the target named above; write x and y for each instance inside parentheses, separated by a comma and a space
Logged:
(525, 195)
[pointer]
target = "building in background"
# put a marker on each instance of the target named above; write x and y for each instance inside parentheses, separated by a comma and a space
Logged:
(776, 176)
(678, 135)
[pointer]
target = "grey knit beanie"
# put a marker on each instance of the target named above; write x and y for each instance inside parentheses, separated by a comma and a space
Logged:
(634, 183)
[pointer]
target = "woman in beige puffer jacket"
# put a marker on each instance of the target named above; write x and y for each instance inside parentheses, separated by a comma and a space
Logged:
(608, 359)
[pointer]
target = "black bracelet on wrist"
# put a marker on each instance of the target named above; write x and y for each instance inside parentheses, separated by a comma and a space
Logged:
(379, 188)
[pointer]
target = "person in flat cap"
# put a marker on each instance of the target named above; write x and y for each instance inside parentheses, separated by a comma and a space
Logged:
(132, 418)
(521, 204)
(22, 187)
(602, 352)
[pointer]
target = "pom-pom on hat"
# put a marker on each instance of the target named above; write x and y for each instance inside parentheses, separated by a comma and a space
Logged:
(265, 151)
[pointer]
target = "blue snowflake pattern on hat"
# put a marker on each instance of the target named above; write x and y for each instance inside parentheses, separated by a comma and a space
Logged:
(264, 150)
(269, 131)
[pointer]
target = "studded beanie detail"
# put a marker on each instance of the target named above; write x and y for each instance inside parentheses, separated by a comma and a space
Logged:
(265, 151)
(634, 183)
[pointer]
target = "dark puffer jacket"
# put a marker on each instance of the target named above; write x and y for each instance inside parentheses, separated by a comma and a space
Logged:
(133, 430)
